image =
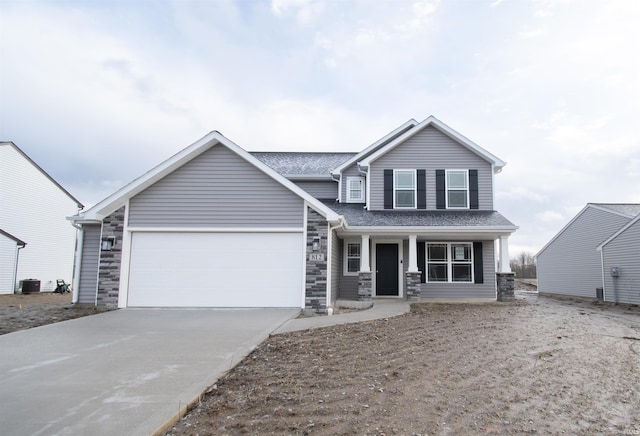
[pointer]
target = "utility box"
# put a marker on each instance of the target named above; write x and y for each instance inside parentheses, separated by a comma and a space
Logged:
(615, 271)
(599, 294)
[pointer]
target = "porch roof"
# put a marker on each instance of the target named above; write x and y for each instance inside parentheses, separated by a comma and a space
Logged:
(356, 216)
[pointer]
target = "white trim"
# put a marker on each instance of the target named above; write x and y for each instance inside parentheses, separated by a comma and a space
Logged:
(329, 263)
(415, 189)
(360, 199)
(125, 261)
(425, 230)
(118, 198)
(505, 265)
(400, 244)
(219, 229)
(305, 217)
(368, 190)
(76, 273)
(373, 147)
(413, 254)
(449, 261)
(365, 255)
(446, 189)
(345, 260)
(433, 121)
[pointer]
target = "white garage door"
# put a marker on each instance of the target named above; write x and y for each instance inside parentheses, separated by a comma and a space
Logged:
(215, 270)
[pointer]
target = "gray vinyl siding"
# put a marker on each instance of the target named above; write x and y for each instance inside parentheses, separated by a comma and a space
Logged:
(216, 189)
(430, 150)
(336, 259)
(570, 264)
(468, 290)
(321, 190)
(623, 252)
(348, 284)
(88, 280)
(352, 171)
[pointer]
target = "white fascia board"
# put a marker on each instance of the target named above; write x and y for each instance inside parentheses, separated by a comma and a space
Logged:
(372, 147)
(584, 209)
(216, 229)
(120, 197)
(456, 136)
(619, 232)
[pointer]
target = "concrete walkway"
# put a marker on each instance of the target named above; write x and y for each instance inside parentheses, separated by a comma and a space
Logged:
(382, 308)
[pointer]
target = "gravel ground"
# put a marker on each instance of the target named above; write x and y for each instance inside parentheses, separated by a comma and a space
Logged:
(536, 366)
(24, 311)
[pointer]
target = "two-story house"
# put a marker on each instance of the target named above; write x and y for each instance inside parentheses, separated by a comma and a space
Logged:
(411, 216)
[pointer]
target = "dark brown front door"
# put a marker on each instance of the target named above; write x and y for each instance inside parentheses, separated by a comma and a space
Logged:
(387, 270)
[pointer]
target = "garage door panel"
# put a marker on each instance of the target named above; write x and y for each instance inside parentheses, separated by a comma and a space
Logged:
(215, 270)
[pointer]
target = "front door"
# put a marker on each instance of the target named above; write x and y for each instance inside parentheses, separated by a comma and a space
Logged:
(387, 270)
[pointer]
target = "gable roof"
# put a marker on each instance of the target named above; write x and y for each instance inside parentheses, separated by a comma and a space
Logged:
(298, 166)
(624, 210)
(386, 139)
(215, 138)
(44, 173)
(619, 232)
(432, 121)
(10, 236)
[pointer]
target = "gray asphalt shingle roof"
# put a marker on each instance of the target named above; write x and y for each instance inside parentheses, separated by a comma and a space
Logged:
(291, 164)
(356, 216)
(629, 209)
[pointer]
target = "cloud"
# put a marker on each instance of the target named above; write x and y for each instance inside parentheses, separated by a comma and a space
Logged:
(549, 216)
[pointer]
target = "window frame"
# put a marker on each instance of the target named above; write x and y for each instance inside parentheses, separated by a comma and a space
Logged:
(362, 188)
(414, 189)
(450, 262)
(346, 257)
(447, 189)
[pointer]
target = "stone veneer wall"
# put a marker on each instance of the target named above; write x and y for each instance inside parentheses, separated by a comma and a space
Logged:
(505, 286)
(109, 268)
(413, 285)
(316, 278)
(365, 286)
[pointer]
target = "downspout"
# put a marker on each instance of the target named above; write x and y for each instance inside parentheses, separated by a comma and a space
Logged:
(15, 279)
(77, 265)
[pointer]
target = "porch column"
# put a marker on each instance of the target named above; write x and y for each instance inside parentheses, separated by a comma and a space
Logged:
(504, 255)
(413, 254)
(364, 254)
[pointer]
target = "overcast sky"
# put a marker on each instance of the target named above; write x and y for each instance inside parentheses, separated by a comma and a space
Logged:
(98, 92)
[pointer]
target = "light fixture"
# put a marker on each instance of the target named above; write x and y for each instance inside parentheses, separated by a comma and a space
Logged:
(315, 246)
(108, 243)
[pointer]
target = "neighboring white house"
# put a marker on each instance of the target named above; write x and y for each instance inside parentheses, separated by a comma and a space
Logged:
(33, 209)
(571, 263)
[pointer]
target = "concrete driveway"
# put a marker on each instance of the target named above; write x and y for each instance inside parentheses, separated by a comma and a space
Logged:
(122, 372)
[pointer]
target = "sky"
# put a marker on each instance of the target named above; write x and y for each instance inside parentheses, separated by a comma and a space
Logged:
(99, 92)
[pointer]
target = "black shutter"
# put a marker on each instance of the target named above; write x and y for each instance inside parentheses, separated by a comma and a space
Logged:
(422, 262)
(473, 189)
(478, 268)
(388, 189)
(422, 189)
(440, 188)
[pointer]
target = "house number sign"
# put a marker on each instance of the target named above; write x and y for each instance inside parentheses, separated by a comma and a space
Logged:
(316, 256)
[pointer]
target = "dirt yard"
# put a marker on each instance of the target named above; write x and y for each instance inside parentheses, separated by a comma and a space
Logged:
(535, 366)
(24, 311)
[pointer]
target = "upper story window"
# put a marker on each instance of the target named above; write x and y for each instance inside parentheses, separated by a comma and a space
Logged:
(355, 189)
(351, 258)
(457, 189)
(404, 189)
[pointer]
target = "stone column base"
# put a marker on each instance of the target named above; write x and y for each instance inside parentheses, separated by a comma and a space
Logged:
(505, 286)
(365, 286)
(413, 285)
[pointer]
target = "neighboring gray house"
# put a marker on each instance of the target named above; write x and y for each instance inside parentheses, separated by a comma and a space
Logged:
(621, 264)
(570, 264)
(411, 216)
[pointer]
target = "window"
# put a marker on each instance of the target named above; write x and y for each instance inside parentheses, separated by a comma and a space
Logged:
(355, 189)
(351, 258)
(450, 262)
(457, 189)
(404, 187)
